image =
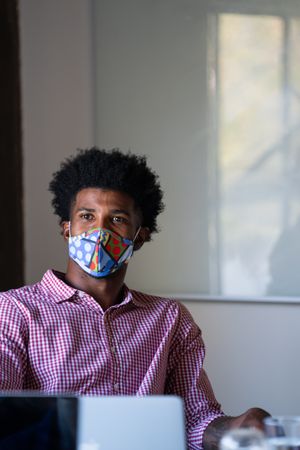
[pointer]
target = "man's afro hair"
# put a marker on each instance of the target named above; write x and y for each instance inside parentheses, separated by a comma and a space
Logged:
(112, 170)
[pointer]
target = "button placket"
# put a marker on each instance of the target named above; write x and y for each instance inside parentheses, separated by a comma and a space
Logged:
(113, 347)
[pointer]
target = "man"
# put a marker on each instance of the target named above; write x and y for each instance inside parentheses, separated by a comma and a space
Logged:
(84, 331)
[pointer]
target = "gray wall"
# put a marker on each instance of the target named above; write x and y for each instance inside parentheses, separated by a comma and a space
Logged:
(57, 115)
(252, 353)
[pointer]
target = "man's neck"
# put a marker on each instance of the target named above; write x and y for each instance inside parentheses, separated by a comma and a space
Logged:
(106, 291)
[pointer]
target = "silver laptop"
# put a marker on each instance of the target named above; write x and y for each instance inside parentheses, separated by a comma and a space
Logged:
(31, 421)
(130, 423)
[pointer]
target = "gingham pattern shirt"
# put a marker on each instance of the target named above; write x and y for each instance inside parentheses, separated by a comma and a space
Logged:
(56, 339)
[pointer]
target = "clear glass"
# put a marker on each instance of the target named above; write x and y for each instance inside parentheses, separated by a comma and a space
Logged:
(282, 432)
(244, 439)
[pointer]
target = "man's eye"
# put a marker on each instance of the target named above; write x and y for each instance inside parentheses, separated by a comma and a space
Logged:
(117, 219)
(87, 216)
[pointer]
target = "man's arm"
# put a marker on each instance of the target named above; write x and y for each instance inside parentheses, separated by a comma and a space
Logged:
(187, 378)
(218, 427)
(206, 423)
(13, 351)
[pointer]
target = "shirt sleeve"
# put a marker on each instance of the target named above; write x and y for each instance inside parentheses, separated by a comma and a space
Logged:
(13, 353)
(187, 378)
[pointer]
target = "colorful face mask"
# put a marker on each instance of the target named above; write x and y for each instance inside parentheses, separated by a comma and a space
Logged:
(99, 251)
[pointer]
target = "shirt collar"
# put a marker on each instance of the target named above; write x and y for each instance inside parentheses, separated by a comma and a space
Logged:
(54, 282)
(128, 296)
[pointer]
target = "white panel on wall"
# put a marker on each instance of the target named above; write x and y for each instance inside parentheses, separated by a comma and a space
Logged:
(150, 98)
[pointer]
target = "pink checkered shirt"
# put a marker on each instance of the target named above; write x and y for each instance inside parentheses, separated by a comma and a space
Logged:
(56, 339)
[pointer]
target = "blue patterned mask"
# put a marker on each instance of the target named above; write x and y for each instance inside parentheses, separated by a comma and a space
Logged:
(100, 252)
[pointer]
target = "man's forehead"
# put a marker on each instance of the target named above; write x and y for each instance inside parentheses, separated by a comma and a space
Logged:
(92, 198)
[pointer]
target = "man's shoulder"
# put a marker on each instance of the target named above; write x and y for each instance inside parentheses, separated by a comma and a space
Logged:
(149, 300)
(22, 294)
(152, 301)
(171, 311)
(18, 302)
(20, 291)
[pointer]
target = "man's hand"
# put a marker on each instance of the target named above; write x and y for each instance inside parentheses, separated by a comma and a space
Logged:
(218, 427)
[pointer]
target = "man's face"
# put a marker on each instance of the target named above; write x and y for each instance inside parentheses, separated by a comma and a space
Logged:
(113, 210)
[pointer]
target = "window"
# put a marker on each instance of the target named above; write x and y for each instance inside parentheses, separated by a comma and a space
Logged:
(254, 82)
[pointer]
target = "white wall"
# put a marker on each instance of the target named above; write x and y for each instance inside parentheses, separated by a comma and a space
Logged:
(252, 353)
(57, 114)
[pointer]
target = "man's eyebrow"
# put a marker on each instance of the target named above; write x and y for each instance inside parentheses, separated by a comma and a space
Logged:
(112, 211)
(85, 209)
(120, 211)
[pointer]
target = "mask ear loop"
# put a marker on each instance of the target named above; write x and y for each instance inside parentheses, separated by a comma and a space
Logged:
(70, 235)
(136, 234)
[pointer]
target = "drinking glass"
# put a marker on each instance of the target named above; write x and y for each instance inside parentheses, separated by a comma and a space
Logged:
(282, 432)
(243, 439)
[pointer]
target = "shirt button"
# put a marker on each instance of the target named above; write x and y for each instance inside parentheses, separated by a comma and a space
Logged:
(116, 387)
(81, 294)
(113, 350)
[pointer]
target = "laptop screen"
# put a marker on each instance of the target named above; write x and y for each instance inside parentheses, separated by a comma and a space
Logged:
(30, 422)
(131, 423)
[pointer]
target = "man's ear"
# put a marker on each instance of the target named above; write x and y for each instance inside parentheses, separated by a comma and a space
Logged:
(142, 236)
(65, 229)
